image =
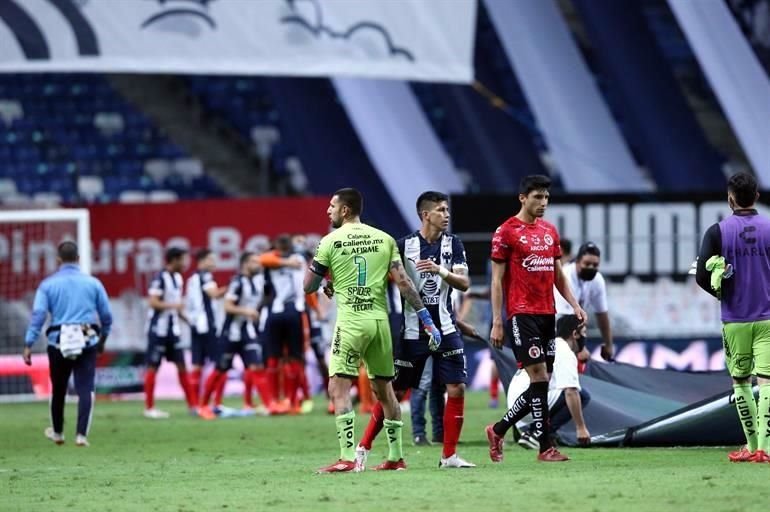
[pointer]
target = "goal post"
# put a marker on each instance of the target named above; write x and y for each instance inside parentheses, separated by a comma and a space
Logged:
(28, 243)
(80, 216)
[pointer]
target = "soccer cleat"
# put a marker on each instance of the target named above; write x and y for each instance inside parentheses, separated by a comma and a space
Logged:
(455, 462)
(261, 410)
(528, 442)
(421, 441)
(222, 411)
(82, 441)
(552, 455)
(391, 465)
(361, 455)
(760, 457)
(496, 444)
(493, 403)
(341, 466)
(206, 413)
(156, 414)
(330, 408)
(742, 455)
(53, 436)
(306, 407)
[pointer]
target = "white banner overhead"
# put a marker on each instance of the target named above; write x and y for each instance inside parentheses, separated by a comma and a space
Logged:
(397, 39)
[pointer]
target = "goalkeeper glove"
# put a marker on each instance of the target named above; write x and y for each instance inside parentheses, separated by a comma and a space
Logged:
(434, 335)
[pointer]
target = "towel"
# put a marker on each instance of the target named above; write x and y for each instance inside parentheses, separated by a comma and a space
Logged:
(719, 270)
(72, 340)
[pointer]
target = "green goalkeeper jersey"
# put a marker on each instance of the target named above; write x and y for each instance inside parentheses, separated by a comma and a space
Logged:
(358, 257)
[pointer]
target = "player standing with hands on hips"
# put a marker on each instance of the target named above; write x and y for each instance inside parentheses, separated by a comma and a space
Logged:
(526, 263)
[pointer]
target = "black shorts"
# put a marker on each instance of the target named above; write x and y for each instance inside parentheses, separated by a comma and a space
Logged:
(249, 350)
(159, 347)
(448, 362)
(533, 340)
(284, 334)
(204, 347)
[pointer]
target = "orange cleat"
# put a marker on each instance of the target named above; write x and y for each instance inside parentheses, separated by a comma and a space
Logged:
(760, 457)
(206, 413)
(341, 466)
(391, 465)
(495, 445)
(742, 455)
(552, 455)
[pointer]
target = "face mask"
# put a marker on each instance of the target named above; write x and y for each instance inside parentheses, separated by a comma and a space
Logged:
(299, 248)
(587, 274)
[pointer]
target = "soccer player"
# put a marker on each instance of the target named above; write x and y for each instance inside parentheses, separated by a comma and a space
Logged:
(80, 323)
(201, 289)
(166, 313)
(243, 301)
(435, 262)
(284, 340)
(566, 399)
(526, 262)
(590, 290)
(740, 245)
(359, 259)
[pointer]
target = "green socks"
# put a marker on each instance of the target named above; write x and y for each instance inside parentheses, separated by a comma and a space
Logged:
(346, 433)
(763, 418)
(393, 430)
(747, 412)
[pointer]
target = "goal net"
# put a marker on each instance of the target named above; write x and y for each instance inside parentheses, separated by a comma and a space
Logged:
(28, 242)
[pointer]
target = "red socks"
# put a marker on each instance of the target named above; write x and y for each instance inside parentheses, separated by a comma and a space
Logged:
(374, 426)
(303, 383)
(194, 380)
(185, 383)
(273, 377)
(248, 388)
(453, 424)
(212, 384)
(149, 388)
(494, 386)
(262, 383)
(220, 389)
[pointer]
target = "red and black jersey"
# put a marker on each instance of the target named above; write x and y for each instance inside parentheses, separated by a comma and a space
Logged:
(529, 252)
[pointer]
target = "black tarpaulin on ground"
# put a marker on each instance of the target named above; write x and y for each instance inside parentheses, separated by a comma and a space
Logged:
(633, 406)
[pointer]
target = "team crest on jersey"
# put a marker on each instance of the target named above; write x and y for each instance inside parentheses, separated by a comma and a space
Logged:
(447, 257)
(534, 352)
(548, 239)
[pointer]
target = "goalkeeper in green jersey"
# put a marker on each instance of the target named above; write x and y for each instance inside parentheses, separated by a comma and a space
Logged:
(359, 259)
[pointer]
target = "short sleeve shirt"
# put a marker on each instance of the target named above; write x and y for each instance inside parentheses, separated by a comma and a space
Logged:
(529, 252)
(357, 257)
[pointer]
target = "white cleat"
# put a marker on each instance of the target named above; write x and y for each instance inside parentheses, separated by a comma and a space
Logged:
(528, 442)
(361, 455)
(53, 436)
(81, 440)
(455, 462)
(156, 414)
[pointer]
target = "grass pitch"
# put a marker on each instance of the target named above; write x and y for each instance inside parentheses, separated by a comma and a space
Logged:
(186, 464)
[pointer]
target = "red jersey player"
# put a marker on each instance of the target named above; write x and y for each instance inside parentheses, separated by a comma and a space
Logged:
(526, 265)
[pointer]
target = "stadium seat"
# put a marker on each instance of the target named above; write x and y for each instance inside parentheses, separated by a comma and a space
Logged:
(133, 196)
(7, 188)
(157, 169)
(47, 199)
(10, 110)
(90, 187)
(162, 196)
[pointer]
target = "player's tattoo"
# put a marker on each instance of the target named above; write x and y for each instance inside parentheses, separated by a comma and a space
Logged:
(406, 286)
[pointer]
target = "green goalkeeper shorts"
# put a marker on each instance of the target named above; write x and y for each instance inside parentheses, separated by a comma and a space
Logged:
(747, 348)
(369, 341)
